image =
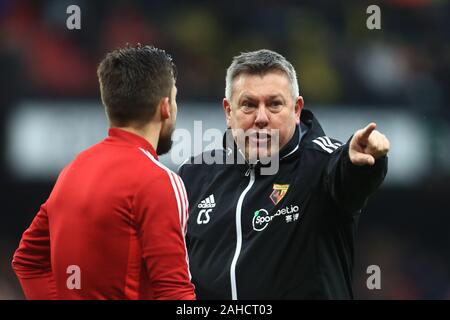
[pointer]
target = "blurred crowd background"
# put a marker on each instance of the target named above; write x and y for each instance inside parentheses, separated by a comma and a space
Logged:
(341, 65)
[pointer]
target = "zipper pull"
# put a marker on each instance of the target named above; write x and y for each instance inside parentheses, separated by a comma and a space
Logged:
(249, 170)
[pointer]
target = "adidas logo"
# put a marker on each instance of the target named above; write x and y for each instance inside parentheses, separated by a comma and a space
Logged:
(326, 144)
(209, 202)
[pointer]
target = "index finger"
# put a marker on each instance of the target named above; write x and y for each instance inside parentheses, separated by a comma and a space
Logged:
(368, 130)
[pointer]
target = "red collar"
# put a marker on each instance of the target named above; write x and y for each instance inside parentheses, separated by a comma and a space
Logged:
(119, 135)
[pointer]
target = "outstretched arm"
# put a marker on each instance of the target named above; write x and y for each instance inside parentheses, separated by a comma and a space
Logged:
(357, 169)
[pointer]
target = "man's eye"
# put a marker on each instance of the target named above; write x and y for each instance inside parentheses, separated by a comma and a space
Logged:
(248, 105)
(275, 105)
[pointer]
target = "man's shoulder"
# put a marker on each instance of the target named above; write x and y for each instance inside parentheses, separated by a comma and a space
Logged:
(323, 144)
(315, 137)
(150, 167)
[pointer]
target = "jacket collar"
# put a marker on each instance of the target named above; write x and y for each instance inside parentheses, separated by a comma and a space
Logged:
(119, 136)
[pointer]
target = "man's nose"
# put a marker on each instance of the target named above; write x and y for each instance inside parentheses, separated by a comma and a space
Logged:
(261, 120)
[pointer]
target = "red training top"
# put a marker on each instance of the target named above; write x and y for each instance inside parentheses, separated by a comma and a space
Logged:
(112, 228)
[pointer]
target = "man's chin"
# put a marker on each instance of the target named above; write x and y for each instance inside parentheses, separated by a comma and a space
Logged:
(165, 141)
(164, 147)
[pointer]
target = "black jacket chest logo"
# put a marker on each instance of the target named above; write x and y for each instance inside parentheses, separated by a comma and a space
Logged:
(206, 207)
(278, 193)
(262, 218)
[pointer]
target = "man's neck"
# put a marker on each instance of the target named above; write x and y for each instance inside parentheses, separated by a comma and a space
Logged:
(150, 132)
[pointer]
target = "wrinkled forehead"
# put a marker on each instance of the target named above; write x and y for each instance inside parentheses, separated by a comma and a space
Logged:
(261, 86)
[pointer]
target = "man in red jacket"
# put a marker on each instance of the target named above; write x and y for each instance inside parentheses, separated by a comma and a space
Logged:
(113, 226)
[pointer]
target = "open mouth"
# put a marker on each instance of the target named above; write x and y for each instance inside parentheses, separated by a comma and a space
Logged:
(259, 137)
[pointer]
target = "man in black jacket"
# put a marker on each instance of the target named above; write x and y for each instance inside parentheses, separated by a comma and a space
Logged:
(289, 234)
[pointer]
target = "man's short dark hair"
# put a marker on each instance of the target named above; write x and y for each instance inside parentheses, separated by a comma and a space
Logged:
(260, 62)
(133, 80)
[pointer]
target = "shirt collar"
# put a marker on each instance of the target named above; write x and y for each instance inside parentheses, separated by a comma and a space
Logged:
(129, 138)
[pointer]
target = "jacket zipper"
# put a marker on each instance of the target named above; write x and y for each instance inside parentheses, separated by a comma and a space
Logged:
(250, 172)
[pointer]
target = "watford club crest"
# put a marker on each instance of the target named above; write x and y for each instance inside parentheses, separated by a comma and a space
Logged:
(278, 193)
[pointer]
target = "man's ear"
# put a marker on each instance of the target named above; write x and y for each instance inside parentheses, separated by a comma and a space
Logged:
(298, 108)
(227, 109)
(164, 108)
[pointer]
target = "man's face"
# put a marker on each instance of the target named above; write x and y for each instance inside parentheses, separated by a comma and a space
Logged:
(168, 126)
(260, 104)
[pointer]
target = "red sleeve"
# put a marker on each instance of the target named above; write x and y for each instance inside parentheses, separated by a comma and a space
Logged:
(31, 261)
(161, 213)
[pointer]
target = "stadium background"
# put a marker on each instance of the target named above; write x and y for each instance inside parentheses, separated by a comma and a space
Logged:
(349, 75)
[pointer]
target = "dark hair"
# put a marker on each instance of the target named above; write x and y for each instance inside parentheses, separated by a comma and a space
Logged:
(132, 82)
(260, 63)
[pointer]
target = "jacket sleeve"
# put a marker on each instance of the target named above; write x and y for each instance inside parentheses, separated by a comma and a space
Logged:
(350, 185)
(31, 261)
(161, 214)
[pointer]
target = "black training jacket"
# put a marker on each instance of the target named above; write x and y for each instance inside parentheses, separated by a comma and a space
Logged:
(290, 235)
